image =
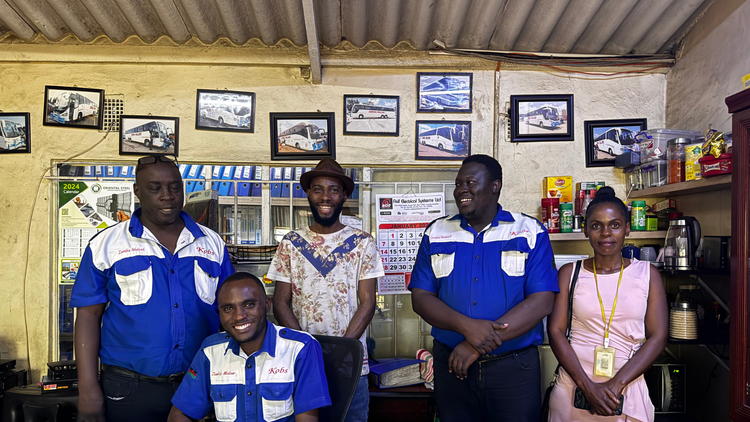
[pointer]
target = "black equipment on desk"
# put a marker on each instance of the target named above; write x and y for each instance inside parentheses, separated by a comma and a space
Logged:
(62, 370)
(716, 253)
(666, 387)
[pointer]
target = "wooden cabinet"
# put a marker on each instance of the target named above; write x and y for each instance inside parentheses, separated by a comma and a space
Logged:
(739, 400)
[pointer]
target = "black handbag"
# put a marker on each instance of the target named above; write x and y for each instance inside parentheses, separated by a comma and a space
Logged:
(545, 403)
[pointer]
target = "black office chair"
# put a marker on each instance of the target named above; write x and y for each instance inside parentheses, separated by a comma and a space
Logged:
(28, 404)
(342, 358)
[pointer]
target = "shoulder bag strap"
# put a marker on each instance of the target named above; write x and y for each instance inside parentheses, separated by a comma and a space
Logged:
(570, 297)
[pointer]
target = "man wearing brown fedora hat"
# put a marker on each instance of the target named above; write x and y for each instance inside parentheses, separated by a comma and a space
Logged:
(326, 273)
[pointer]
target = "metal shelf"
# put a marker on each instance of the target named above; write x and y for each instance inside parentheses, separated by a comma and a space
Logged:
(707, 184)
(652, 234)
(281, 202)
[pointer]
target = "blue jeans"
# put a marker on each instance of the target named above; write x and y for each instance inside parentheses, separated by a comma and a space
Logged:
(504, 389)
(360, 406)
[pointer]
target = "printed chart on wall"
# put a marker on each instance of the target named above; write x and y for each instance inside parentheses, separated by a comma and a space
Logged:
(86, 209)
(401, 220)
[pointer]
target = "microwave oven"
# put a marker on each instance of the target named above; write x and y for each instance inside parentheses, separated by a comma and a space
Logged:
(666, 387)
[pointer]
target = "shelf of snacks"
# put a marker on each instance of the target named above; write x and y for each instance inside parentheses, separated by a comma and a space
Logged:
(650, 234)
(686, 188)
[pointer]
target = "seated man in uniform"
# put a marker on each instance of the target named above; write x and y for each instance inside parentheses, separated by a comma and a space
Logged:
(253, 371)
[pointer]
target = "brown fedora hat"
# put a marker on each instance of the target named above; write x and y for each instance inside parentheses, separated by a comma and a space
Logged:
(327, 167)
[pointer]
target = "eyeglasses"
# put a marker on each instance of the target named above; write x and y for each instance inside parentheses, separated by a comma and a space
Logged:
(150, 159)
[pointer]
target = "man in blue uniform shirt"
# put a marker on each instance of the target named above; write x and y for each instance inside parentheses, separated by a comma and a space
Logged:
(484, 279)
(255, 371)
(145, 294)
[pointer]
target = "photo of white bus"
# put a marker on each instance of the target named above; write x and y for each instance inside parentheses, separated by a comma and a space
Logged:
(225, 110)
(151, 134)
(305, 136)
(544, 117)
(12, 135)
(614, 140)
(69, 107)
(369, 111)
(445, 138)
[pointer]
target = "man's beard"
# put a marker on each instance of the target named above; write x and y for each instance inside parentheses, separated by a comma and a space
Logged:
(326, 222)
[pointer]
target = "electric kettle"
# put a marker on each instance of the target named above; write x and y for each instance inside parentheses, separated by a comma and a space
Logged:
(681, 243)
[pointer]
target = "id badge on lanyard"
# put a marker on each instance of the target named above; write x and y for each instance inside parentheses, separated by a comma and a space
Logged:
(604, 357)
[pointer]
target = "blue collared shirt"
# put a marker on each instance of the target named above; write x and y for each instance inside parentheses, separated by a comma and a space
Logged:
(161, 306)
(484, 275)
(284, 378)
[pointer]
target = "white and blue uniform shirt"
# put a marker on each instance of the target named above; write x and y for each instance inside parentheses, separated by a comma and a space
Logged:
(484, 275)
(284, 378)
(161, 306)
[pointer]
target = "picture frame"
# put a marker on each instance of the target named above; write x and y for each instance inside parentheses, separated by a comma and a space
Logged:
(73, 107)
(149, 135)
(372, 115)
(444, 92)
(302, 136)
(539, 118)
(15, 133)
(231, 111)
(442, 140)
(606, 139)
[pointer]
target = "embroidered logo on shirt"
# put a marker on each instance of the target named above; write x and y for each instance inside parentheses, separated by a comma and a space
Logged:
(205, 251)
(221, 374)
(192, 373)
(131, 250)
(278, 371)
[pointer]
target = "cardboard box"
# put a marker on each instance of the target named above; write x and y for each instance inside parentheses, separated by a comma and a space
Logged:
(558, 187)
(589, 185)
(692, 166)
(664, 205)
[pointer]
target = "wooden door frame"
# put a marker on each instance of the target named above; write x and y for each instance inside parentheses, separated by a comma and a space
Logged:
(739, 106)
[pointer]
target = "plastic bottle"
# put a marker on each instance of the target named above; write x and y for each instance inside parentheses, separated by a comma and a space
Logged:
(638, 215)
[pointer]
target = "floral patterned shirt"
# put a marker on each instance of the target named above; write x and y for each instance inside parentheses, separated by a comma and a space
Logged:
(325, 270)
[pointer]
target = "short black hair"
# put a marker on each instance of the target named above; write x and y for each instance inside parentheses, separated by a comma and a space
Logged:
(606, 195)
(242, 276)
(494, 168)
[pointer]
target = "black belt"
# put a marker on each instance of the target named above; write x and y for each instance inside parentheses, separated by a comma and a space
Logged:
(116, 370)
(498, 356)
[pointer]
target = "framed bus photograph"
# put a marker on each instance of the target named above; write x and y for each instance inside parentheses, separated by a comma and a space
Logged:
(442, 140)
(444, 92)
(73, 107)
(15, 133)
(149, 135)
(302, 136)
(374, 115)
(541, 118)
(232, 111)
(606, 139)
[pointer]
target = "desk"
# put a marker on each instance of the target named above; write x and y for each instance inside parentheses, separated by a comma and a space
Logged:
(414, 403)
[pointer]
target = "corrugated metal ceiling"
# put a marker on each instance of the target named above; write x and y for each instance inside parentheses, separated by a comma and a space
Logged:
(550, 26)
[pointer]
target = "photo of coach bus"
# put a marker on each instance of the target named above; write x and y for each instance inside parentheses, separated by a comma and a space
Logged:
(151, 134)
(12, 135)
(445, 138)
(225, 110)
(370, 111)
(545, 117)
(444, 92)
(305, 136)
(71, 107)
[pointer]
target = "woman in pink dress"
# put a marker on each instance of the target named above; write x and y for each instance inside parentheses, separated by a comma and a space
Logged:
(619, 307)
